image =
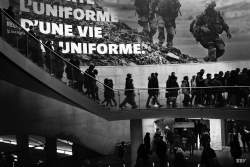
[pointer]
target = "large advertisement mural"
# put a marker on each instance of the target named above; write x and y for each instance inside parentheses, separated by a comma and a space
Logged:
(141, 32)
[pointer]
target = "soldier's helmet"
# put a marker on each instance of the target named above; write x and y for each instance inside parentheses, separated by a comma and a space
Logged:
(211, 4)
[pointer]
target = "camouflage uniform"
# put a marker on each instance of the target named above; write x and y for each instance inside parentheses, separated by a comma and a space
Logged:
(167, 12)
(146, 17)
(207, 29)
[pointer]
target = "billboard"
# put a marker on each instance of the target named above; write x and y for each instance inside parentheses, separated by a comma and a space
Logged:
(130, 32)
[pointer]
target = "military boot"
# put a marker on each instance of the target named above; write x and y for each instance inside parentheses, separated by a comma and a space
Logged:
(161, 35)
(170, 39)
(211, 55)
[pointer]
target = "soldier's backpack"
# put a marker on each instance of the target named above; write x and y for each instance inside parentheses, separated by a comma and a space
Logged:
(195, 30)
(169, 8)
(142, 7)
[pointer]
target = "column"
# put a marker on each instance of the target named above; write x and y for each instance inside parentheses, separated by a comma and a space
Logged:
(51, 151)
(215, 134)
(23, 150)
(223, 133)
(136, 138)
(76, 151)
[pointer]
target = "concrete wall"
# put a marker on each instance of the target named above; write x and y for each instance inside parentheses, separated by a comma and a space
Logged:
(141, 73)
(23, 111)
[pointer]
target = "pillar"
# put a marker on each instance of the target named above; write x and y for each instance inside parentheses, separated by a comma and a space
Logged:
(51, 151)
(23, 150)
(76, 152)
(223, 133)
(136, 138)
(215, 134)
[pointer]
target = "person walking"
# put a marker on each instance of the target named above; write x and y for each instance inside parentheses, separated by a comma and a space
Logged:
(129, 93)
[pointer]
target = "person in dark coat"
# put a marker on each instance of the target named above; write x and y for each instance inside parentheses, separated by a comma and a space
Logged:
(218, 98)
(153, 90)
(107, 96)
(208, 156)
(200, 82)
(147, 142)
(34, 47)
(245, 134)
(49, 56)
(112, 92)
(179, 159)
(87, 79)
(10, 12)
(93, 86)
(186, 91)
(129, 93)
(142, 157)
(58, 64)
(172, 93)
(235, 148)
(73, 73)
(208, 91)
(161, 152)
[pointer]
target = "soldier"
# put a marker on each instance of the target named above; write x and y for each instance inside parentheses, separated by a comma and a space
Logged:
(146, 17)
(167, 12)
(207, 28)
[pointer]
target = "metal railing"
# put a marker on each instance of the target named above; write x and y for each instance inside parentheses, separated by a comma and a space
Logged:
(188, 97)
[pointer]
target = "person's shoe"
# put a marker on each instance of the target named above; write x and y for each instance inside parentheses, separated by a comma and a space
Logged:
(160, 106)
(148, 106)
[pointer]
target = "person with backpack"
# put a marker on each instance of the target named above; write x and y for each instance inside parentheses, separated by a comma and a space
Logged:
(167, 12)
(145, 10)
(206, 29)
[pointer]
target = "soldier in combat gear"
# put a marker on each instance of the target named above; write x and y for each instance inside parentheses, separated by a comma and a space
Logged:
(167, 12)
(207, 28)
(146, 17)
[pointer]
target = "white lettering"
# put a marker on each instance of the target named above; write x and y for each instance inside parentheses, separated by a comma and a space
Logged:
(23, 7)
(57, 29)
(68, 30)
(126, 49)
(113, 49)
(137, 48)
(51, 11)
(26, 23)
(78, 14)
(41, 9)
(90, 15)
(102, 49)
(42, 28)
(76, 48)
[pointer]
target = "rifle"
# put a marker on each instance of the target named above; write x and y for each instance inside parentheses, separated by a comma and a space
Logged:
(180, 12)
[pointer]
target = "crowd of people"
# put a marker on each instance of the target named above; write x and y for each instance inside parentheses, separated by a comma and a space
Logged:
(223, 89)
(167, 149)
(168, 146)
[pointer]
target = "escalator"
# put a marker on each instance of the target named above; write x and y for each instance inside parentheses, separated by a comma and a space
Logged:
(34, 100)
